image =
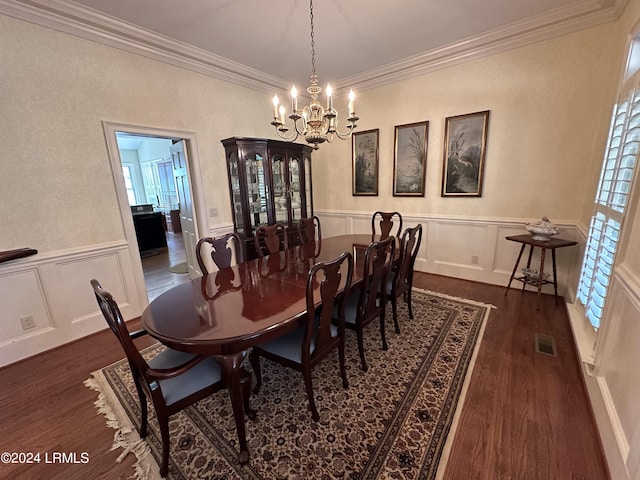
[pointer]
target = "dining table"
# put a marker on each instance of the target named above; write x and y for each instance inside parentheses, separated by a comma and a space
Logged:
(225, 313)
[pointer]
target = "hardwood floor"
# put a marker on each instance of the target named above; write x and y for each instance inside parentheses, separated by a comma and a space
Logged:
(157, 277)
(526, 414)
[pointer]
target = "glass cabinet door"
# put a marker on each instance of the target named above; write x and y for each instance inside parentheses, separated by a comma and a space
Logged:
(256, 191)
(236, 196)
(279, 188)
(295, 189)
(308, 193)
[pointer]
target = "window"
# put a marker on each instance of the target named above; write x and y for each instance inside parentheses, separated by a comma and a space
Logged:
(128, 182)
(612, 196)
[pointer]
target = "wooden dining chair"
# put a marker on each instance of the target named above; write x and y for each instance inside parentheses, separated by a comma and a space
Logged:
(309, 230)
(366, 304)
(221, 250)
(400, 280)
(172, 380)
(386, 222)
(271, 238)
(313, 341)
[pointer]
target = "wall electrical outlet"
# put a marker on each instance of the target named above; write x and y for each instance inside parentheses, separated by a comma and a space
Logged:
(27, 322)
(474, 259)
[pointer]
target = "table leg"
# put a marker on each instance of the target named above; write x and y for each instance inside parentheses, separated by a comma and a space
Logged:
(515, 267)
(528, 263)
(231, 371)
(541, 272)
(555, 279)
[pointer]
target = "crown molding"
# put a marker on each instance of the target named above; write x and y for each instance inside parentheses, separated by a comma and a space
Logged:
(556, 23)
(89, 24)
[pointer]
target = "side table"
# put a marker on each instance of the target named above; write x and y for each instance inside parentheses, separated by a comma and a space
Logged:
(544, 245)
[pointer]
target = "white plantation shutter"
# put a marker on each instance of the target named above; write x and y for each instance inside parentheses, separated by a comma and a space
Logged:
(612, 196)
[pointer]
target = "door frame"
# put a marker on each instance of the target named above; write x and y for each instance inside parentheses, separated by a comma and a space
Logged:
(195, 186)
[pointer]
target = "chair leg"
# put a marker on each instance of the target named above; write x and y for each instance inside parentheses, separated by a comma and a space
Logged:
(394, 308)
(143, 408)
(343, 366)
(164, 434)
(382, 334)
(254, 359)
(306, 372)
(408, 299)
(360, 336)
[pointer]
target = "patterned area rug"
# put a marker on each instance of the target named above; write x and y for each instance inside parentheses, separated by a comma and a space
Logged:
(391, 423)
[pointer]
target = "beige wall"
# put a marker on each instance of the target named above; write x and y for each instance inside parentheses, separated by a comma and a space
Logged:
(550, 104)
(56, 89)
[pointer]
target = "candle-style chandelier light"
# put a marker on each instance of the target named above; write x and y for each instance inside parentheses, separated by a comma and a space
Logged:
(314, 122)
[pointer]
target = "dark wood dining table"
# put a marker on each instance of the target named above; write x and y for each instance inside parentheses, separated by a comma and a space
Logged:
(227, 312)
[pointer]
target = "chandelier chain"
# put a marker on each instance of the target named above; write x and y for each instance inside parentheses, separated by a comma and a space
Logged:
(313, 42)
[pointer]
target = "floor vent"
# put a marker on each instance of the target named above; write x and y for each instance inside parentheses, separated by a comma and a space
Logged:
(545, 344)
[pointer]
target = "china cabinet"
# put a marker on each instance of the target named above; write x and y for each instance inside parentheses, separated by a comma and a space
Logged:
(269, 182)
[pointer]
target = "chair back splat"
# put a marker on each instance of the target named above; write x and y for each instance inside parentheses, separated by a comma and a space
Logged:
(221, 251)
(386, 222)
(401, 280)
(309, 230)
(328, 284)
(270, 239)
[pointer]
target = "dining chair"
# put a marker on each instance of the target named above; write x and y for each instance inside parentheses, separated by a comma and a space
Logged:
(309, 230)
(320, 334)
(172, 380)
(221, 250)
(385, 223)
(271, 238)
(400, 280)
(364, 305)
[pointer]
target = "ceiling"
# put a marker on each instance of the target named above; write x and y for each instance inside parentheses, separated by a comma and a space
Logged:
(356, 41)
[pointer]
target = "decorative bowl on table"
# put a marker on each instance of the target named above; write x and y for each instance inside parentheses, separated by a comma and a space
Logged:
(532, 275)
(542, 230)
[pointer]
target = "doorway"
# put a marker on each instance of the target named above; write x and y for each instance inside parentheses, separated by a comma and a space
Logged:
(153, 176)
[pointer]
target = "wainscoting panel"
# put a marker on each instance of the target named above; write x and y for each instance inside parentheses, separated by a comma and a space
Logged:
(53, 289)
(616, 354)
(21, 296)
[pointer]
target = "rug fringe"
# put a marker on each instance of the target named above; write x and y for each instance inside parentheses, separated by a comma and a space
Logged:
(126, 436)
(459, 299)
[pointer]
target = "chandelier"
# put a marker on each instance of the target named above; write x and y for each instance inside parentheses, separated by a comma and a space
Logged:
(314, 122)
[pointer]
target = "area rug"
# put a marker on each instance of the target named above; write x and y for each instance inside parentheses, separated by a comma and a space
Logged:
(393, 422)
(179, 268)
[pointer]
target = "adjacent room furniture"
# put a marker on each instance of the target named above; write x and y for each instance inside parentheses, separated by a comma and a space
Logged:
(537, 278)
(219, 252)
(383, 223)
(228, 312)
(365, 304)
(172, 380)
(319, 335)
(150, 227)
(401, 277)
(270, 182)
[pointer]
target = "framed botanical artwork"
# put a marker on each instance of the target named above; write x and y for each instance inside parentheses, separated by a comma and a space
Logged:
(465, 141)
(410, 159)
(365, 162)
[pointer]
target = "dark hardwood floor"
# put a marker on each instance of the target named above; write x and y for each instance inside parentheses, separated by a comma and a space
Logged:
(526, 414)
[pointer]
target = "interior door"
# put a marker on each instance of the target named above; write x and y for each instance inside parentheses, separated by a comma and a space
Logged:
(185, 203)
